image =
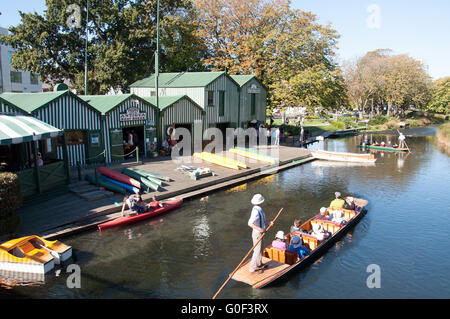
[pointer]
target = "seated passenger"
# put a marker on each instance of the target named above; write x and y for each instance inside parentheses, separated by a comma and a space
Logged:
(296, 227)
(323, 214)
(319, 233)
(338, 217)
(154, 203)
(279, 241)
(296, 247)
(350, 203)
(338, 202)
(383, 144)
(389, 144)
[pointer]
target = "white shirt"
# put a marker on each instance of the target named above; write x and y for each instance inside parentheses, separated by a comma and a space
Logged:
(257, 217)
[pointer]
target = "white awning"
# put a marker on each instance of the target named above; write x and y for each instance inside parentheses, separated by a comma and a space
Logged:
(15, 129)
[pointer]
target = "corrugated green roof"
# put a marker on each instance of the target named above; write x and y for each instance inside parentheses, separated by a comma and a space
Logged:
(242, 79)
(30, 102)
(105, 103)
(167, 101)
(181, 79)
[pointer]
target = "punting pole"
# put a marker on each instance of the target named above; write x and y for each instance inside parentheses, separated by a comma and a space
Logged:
(405, 142)
(236, 269)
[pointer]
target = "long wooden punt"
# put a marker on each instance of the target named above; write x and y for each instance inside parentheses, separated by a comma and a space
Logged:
(344, 157)
(384, 148)
(281, 263)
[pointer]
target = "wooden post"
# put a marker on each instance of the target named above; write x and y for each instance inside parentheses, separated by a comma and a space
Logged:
(66, 158)
(36, 167)
(137, 154)
(96, 176)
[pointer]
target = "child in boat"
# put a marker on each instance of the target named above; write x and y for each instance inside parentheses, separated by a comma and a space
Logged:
(350, 203)
(296, 247)
(279, 241)
(296, 226)
(154, 203)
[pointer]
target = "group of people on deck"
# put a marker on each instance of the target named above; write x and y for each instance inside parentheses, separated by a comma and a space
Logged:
(258, 223)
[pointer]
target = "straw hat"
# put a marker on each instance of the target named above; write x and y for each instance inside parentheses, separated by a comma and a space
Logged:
(337, 194)
(280, 235)
(317, 228)
(323, 210)
(296, 241)
(257, 199)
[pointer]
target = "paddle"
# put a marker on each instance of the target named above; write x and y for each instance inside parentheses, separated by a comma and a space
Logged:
(405, 142)
(236, 269)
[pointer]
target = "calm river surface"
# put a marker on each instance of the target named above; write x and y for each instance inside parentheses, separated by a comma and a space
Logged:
(189, 253)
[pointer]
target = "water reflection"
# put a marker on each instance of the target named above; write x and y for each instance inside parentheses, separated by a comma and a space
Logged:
(201, 232)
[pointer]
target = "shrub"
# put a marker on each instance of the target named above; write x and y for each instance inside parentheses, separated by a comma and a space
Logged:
(10, 194)
(338, 125)
(378, 120)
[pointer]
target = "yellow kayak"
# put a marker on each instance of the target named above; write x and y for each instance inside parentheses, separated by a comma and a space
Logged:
(216, 161)
(32, 254)
(256, 156)
(225, 159)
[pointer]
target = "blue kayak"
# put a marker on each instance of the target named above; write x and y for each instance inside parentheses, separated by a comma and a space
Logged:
(130, 188)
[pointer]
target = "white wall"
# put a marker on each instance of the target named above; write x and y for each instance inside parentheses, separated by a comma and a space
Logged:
(5, 84)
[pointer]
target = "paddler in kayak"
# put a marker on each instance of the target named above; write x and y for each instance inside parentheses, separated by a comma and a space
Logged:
(137, 205)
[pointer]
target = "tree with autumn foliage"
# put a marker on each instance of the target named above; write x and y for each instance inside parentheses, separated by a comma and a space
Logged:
(274, 42)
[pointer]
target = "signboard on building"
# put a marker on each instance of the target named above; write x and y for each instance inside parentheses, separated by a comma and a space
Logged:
(133, 114)
(253, 89)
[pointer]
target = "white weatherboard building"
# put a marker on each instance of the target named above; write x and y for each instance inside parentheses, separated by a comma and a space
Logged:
(12, 80)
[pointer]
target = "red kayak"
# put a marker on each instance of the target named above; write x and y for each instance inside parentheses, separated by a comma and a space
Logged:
(119, 176)
(120, 221)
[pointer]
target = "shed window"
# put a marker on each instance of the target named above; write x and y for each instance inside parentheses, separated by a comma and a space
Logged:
(75, 137)
(221, 103)
(16, 77)
(34, 78)
(210, 98)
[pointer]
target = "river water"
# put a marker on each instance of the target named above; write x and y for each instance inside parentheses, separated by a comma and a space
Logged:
(189, 253)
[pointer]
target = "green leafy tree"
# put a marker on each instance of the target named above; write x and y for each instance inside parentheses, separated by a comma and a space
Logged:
(440, 99)
(121, 42)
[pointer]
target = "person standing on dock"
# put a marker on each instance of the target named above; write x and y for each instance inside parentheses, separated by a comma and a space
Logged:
(258, 224)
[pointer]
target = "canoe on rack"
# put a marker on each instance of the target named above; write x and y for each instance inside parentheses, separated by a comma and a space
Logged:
(150, 175)
(344, 157)
(281, 263)
(383, 148)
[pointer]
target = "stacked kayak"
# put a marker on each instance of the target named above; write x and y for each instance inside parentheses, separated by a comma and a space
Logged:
(128, 187)
(122, 178)
(149, 174)
(107, 184)
(220, 160)
(121, 221)
(32, 254)
(253, 155)
(150, 182)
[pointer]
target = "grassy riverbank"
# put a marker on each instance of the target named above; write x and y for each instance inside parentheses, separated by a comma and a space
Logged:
(443, 136)
(412, 119)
